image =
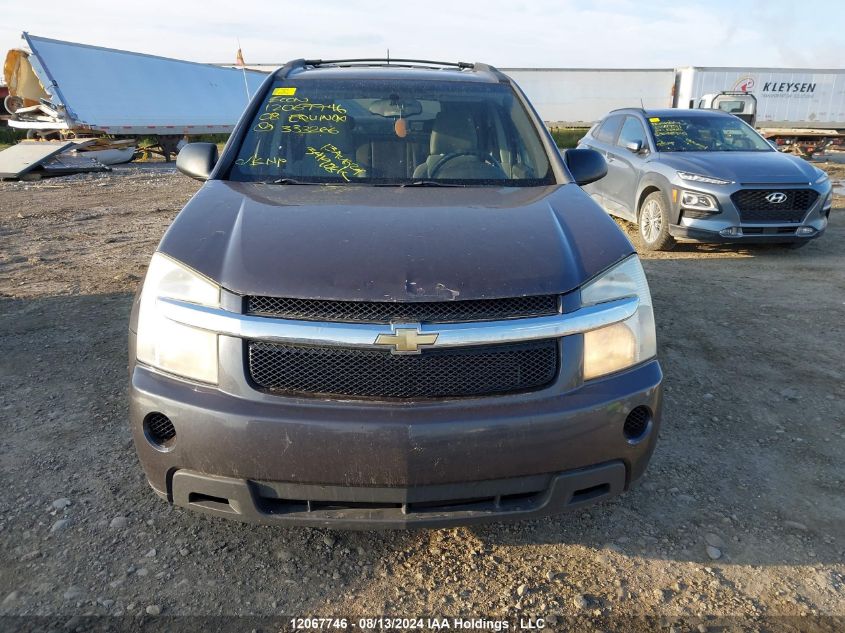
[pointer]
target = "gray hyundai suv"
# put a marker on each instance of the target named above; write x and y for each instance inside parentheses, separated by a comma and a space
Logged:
(391, 304)
(707, 176)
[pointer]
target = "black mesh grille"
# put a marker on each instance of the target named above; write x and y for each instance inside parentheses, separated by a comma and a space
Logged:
(367, 373)
(160, 428)
(753, 206)
(386, 312)
(636, 423)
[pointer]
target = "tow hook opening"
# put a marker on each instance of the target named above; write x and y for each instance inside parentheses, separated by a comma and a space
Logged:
(210, 502)
(586, 494)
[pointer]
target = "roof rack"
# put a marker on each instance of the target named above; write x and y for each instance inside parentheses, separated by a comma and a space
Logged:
(387, 61)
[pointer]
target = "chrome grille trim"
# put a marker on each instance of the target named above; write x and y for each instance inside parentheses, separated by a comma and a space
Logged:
(365, 334)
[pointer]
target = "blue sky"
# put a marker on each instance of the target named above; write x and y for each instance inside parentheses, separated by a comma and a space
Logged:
(506, 33)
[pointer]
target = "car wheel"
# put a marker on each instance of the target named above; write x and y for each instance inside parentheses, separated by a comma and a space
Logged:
(653, 223)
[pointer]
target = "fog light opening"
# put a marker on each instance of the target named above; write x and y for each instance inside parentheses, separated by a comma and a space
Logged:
(805, 230)
(159, 431)
(732, 231)
(637, 424)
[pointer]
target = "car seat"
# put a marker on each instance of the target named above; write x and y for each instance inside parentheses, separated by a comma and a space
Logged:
(453, 150)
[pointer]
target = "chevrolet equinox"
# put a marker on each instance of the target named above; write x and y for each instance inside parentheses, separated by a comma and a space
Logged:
(391, 305)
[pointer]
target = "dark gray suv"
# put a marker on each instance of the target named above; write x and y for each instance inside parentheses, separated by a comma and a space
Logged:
(391, 304)
(705, 175)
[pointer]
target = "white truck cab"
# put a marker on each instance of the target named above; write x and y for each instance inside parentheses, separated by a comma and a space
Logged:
(741, 104)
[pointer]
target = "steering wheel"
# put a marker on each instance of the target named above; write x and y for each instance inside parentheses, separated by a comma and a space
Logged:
(452, 156)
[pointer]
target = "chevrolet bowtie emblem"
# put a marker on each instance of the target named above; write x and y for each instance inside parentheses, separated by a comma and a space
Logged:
(406, 340)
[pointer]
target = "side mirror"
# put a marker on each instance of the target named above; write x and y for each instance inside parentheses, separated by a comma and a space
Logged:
(585, 165)
(635, 146)
(197, 160)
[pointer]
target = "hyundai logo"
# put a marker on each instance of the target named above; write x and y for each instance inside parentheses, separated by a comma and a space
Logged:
(776, 197)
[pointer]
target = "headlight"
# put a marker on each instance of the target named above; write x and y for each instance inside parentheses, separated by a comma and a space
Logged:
(165, 344)
(615, 347)
(828, 201)
(699, 178)
(822, 178)
(700, 201)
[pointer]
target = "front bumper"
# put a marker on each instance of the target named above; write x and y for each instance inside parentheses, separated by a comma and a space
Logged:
(391, 508)
(359, 464)
(693, 226)
(768, 235)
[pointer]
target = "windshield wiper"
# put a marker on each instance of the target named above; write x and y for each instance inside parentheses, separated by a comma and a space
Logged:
(290, 181)
(416, 183)
(430, 183)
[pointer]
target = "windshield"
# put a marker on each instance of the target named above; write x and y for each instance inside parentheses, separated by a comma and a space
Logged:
(706, 134)
(354, 131)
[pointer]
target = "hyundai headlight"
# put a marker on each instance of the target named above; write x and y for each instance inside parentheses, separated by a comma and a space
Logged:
(685, 175)
(170, 346)
(828, 201)
(699, 201)
(615, 347)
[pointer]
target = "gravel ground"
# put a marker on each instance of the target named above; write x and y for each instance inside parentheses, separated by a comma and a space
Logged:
(738, 523)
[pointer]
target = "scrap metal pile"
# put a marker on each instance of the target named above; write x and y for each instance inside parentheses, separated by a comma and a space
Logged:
(32, 160)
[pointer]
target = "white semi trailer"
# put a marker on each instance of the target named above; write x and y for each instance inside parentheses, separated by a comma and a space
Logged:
(802, 110)
(63, 89)
(578, 97)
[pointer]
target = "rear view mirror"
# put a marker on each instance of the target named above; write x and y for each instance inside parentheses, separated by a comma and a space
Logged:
(197, 160)
(634, 146)
(585, 165)
(395, 107)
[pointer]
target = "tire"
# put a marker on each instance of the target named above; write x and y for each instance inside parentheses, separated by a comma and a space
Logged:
(653, 223)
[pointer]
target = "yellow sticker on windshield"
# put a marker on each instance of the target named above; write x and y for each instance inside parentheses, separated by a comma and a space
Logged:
(654, 119)
(284, 91)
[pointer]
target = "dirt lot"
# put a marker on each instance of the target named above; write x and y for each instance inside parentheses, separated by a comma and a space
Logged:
(749, 464)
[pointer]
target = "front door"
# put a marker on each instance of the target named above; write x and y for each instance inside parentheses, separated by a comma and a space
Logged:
(624, 168)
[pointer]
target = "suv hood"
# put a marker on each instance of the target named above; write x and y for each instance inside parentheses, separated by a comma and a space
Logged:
(744, 167)
(394, 244)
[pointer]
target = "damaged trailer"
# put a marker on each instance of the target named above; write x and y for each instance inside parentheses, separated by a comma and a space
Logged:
(63, 90)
